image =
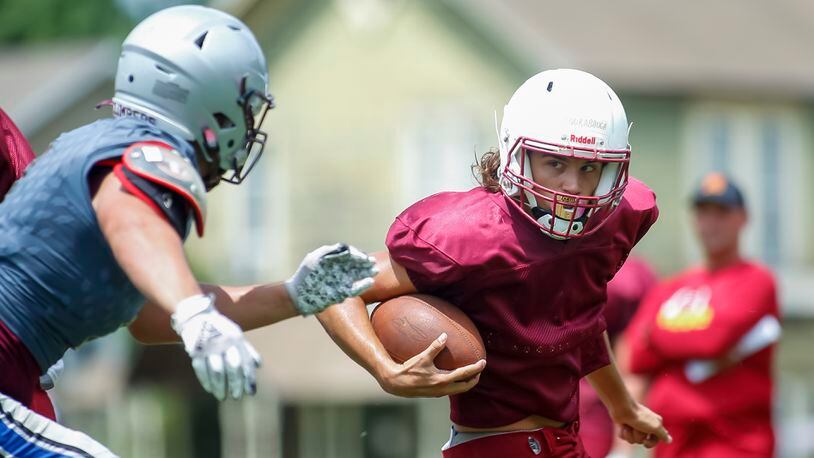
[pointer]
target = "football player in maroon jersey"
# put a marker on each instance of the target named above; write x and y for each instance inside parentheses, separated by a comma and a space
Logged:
(15, 155)
(527, 256)
(707, 337)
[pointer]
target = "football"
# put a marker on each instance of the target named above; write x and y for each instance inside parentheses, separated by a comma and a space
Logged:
(407, 325)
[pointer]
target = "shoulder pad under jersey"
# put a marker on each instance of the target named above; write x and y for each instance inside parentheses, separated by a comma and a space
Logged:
(160, 163)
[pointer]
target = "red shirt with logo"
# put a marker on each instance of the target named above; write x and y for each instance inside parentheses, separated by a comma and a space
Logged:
(702, 314)
(536, 301)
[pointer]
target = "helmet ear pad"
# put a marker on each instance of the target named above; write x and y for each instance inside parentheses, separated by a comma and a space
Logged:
(209, 170)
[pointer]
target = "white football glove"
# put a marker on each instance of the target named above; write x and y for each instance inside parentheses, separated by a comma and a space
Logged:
(224, 361)
(329, 275)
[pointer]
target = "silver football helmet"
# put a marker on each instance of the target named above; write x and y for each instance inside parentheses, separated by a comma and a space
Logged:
(198, 73)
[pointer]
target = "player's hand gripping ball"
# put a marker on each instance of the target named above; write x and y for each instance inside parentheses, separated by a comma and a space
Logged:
(224, 361)
(329, 275)
(407, 325)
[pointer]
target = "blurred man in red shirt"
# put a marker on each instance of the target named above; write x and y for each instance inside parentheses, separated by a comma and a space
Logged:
(706, 338)
(15, 153)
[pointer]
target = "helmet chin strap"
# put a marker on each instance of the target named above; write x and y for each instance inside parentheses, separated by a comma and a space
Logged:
(546, 219)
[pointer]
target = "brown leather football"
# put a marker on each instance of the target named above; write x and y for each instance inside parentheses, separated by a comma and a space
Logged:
(407, 325)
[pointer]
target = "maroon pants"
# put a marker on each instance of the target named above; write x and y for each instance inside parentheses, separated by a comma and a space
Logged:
(544, 442)
(20, 375)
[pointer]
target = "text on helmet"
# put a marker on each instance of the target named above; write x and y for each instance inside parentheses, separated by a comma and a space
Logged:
(121, 110)
(583, 139)
(589, 123)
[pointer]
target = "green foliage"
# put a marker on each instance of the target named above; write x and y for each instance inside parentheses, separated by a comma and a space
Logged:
(26, 21)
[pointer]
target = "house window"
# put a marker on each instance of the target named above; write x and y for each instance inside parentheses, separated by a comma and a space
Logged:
(770, 182)
(438, 147)
(762, 147)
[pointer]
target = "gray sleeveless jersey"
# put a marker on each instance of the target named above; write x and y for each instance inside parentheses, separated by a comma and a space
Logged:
(59, 282)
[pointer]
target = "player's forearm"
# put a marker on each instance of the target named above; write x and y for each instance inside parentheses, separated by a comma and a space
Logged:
(349, 326)
(251, 307)
(639, 424)
(611, 388)
(636, 384)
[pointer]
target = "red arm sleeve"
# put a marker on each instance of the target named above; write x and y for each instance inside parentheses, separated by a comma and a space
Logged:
(428, 267)
(648, 222)
(744, 305)
(641, 200)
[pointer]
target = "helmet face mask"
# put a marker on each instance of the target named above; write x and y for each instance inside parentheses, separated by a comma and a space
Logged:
(198, 73)
(561, 215)
(255, 105)
(567, 114)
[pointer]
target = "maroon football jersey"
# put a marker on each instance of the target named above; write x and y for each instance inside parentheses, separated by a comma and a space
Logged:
(536, 301)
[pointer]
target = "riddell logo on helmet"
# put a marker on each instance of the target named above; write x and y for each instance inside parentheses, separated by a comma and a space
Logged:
(582, 139)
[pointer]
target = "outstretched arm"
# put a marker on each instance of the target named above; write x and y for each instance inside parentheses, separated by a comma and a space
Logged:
(150, 252)
(326, 276)
(639, 424)
(349, 326)
(251, 307)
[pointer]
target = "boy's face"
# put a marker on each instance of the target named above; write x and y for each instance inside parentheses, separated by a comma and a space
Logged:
(568, 175)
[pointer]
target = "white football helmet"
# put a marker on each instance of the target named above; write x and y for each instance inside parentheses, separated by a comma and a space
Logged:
(564, 113)
(198, 73)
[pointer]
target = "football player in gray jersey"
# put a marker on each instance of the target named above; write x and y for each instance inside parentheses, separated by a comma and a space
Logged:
(95, 229)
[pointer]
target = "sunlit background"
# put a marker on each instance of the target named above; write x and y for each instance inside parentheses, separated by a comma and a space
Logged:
(381, 102)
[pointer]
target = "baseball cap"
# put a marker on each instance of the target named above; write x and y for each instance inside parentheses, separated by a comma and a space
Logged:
(717, 188)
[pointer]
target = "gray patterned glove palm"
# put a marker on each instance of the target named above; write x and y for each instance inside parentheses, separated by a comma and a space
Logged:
(329, 275)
